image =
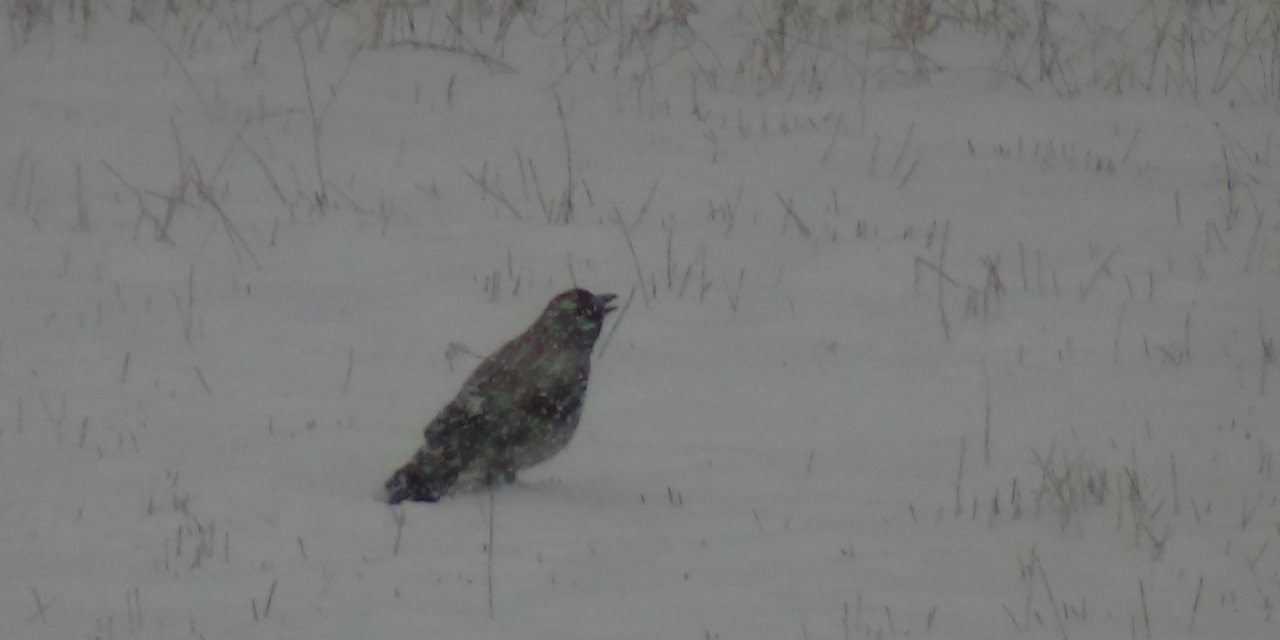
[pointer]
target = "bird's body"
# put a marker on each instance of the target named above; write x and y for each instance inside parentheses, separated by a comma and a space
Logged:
(517, 409)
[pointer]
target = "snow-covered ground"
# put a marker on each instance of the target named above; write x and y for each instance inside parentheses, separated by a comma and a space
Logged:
(949, 319)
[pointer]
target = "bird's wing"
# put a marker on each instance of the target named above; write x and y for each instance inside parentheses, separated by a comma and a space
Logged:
(457, 424)
(518, 383)
(475, 399)
(554, 404)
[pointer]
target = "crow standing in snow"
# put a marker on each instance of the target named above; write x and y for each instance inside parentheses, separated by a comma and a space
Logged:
(517, 409)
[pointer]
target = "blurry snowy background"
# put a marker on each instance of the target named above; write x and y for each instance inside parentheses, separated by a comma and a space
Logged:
(946, 318)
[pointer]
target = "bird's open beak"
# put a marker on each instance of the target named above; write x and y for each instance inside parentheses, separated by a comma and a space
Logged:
(606, 300)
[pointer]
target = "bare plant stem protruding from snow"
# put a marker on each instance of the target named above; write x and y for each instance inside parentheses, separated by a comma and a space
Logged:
(41, 607)
(489, 552)
(565, 213)
(1268, 355)
(1195, 605)
(237, 240)
(1146, 615)
(1103, 269)
(317, 116)
(266, 608)
(351, 363)
(159, 229)
(82, 210)
(942, 260)
(986, 427)
(790, 210)
(485, 189)
(635, 259)
(1044, 579)
(960, 477)
(621, 314)
(397, 513)
(205, 106)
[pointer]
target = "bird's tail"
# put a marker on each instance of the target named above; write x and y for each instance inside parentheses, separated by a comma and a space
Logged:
(425, 478)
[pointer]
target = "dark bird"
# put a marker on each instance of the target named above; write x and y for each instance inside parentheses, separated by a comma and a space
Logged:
(517, 409)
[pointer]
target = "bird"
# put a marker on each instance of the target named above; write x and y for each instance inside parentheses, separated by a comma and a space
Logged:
(518, 408)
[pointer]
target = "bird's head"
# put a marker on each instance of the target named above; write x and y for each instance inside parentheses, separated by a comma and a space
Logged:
(576, 316)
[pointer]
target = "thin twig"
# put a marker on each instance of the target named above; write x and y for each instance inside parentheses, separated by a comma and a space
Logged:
(634, 258)
(1053, 603)
(236, 239)
(476, 55)
(316, 127)
(490, 552)
(567, 204)
(791, 213)
(621, 314)
(351, 363)
(498, 195)
(173, 55)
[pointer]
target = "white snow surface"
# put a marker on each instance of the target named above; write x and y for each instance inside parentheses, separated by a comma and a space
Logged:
(912, 347)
